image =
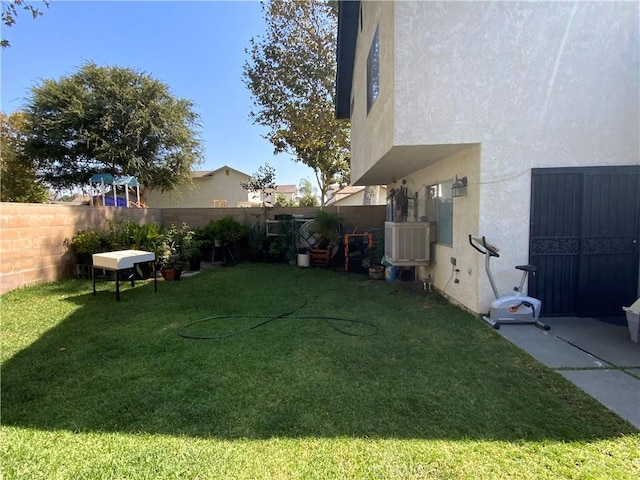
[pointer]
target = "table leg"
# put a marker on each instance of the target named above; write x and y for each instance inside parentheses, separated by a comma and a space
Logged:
(93, 276)
(346, 255)
(117, 285)
(155, 277)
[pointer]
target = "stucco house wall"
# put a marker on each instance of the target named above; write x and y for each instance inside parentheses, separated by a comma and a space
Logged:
(288, 192)
(376, 125)
(490, 90)
(221, 185)
(357, 197)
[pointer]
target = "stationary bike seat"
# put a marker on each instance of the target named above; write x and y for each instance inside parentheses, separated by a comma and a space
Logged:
(527, 268)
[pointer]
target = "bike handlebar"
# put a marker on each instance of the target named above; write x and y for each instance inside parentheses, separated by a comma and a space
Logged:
(475, 242)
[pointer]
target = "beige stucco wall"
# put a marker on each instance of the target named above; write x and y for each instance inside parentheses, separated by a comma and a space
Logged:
(535, 84)
(376, 126)
(465, 222)
(530, 72)
(220, 186)
(358, 198)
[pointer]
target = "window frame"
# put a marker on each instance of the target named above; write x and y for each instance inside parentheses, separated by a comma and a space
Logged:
(373, 70)
(438, 203)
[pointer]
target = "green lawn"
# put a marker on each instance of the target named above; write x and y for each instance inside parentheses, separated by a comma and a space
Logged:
(345, 378)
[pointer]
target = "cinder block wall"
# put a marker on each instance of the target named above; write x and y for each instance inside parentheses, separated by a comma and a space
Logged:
(32, 235)
(360, 216)
(32, 238)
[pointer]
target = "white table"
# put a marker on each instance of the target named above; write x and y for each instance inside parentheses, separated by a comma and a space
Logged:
(122, 260)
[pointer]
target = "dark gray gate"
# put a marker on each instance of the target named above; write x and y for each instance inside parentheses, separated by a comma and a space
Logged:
(584, 236)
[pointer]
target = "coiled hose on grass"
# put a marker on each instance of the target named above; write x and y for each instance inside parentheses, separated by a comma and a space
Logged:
(183, 331)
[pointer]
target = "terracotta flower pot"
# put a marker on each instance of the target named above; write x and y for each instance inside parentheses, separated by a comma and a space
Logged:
(376, 272)
(171, 275)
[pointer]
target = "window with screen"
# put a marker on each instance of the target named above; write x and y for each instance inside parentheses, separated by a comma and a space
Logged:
(373, 71)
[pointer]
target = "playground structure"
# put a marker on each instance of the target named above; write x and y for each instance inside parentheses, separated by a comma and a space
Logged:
(103, 188)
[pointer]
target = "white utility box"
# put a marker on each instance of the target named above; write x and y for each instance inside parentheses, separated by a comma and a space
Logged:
(408, 243)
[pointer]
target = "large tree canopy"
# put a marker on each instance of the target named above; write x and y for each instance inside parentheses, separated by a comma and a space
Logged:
(291, 75)
(17, 173)
(113, 120)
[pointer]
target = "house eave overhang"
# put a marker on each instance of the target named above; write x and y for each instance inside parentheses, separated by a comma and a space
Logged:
(345, 55)
(401, 161)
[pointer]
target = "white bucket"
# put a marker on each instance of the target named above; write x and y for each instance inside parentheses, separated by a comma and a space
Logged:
(304, 259)
(633, 320)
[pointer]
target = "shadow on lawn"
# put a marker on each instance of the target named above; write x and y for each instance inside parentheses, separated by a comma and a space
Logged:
(120, 366)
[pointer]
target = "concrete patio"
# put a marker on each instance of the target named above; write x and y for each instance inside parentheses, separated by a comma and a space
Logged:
(596, 356)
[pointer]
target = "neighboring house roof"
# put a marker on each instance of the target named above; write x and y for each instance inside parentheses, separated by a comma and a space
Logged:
(348, 14)
(211, 173)
(282, 189)
(336, 193)
(202, 173)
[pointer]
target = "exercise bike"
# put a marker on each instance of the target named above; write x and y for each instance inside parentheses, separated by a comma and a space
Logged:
(507, 309)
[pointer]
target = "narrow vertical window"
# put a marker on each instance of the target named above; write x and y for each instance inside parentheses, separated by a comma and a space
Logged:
(439, 209)
(373, 71)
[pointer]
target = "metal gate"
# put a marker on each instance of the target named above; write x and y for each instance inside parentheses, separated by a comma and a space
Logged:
(584, 237)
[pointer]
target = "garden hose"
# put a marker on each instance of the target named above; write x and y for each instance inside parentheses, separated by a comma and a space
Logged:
(268, 319)
(183, 333)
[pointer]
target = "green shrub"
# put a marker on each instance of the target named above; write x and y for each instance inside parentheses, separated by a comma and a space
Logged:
(176, 247)
(327, 226)
(87, 242)
(228, 231)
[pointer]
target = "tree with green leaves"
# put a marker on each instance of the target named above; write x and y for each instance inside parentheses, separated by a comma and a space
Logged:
(261, 181)
(281, 201)
(17, 173)
(308, 197)
(114, 120)
(10, 10)
(291, 75)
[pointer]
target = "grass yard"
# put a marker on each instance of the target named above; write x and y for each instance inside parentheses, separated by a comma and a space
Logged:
(345, 378)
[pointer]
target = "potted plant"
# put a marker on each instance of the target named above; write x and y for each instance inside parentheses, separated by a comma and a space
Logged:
(326, 227)
(399, 202)
(174, 251)
(146, 237)
(282, 247)
(192, 247)
(229, 232)
(171, 267)
(373, 259)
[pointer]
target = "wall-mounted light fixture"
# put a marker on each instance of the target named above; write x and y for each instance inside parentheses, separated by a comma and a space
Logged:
(459, 187)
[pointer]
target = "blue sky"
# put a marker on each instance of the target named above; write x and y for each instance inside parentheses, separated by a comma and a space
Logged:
(197, 48)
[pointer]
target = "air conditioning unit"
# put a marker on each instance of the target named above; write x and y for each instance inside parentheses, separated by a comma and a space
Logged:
(408, 243)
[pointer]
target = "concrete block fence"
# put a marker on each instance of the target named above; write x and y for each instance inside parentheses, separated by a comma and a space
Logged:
(32, 235)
